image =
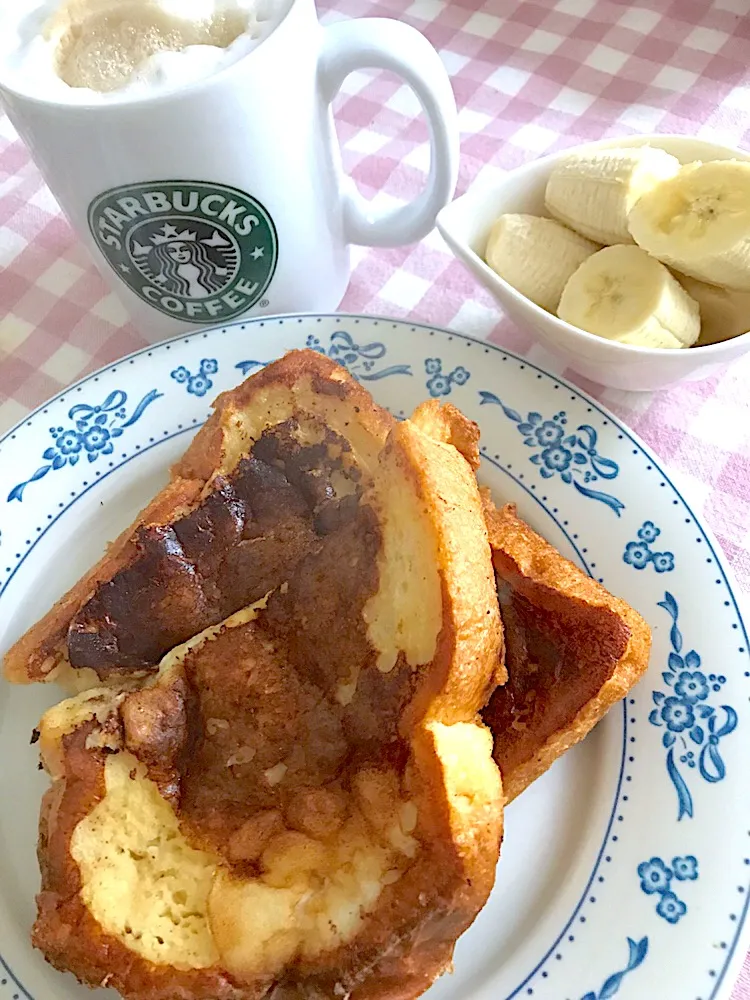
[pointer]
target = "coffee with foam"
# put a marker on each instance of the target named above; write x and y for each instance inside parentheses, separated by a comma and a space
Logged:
(85, 50)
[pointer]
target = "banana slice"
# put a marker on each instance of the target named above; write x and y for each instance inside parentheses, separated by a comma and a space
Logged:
(623, 294)
(536, 256)
(724, 312)
(699, 222)
(594, 192)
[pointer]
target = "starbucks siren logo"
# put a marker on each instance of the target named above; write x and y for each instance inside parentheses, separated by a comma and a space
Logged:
(195, 251)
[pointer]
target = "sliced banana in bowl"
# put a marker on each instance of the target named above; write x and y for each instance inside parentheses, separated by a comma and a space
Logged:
(635, 337)
(594, 191)
(624, 294)
(698, 221)
(536, 256)
(725, 313)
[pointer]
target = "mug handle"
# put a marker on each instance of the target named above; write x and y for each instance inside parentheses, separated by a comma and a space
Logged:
(383, 43)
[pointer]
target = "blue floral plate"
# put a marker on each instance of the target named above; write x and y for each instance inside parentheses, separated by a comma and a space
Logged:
(626, 869)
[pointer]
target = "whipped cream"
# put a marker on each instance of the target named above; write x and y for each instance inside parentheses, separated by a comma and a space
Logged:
(47, 48)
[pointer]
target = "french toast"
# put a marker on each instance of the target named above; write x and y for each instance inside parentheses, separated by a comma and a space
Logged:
(226, 529)
(572, 650)
(276, 782)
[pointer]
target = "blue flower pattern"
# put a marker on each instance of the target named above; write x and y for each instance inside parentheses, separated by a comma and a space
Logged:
(663, 562)
(611, 986)
(687, 715)
(556, 459)
(68, 442)
(656, 879)
(677, 715)
(685, 869)
(359, 360)
(440, 384)
(671, 908)
(639, 554)
(648, 532)
(572, 456)
(549, 433)
(93, 434)
(655, 876)
(200, 383)
(691, 687)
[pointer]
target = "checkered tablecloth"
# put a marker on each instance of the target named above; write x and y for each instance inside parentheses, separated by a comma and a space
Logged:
(530, 77)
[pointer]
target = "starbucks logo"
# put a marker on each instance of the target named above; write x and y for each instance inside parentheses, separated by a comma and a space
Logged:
(196, 251)
(196, 262)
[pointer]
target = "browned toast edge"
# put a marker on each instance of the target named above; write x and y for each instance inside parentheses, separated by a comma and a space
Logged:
(543, 564)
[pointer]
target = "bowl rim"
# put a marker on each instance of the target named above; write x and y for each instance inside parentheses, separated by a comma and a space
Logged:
(476, 190)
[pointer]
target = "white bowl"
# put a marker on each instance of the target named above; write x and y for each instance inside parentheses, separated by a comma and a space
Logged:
(465, 226)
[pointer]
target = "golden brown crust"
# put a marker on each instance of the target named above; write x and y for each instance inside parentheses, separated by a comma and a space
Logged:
(445, 423)
(479, 666)
(593, 649)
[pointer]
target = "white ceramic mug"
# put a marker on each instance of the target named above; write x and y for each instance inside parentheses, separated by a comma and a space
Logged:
(226, 196)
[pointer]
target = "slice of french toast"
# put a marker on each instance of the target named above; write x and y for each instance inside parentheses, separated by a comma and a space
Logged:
(281, 785)
(260, 484)
(571, 651)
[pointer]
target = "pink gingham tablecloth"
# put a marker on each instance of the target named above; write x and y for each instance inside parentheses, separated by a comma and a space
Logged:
(529, 78)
